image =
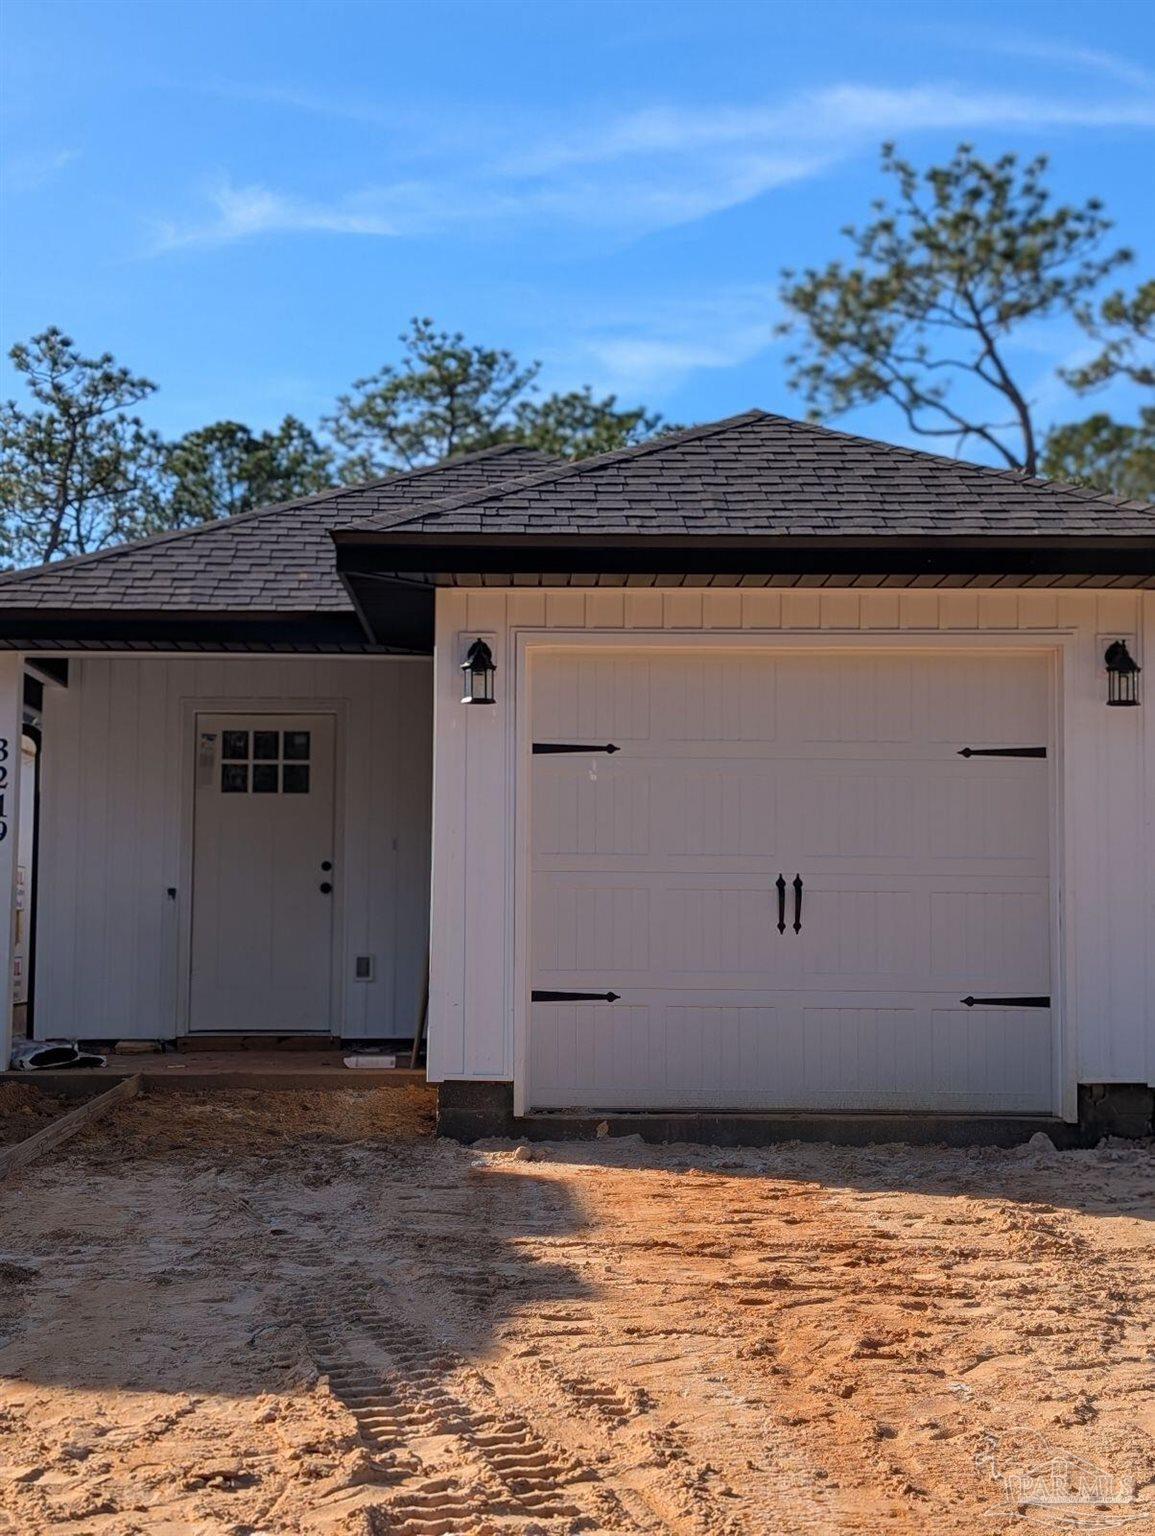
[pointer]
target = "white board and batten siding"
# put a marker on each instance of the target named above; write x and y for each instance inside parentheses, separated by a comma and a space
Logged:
(1083, 905)
(115, 834)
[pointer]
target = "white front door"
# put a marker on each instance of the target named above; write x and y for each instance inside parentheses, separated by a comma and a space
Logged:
(263, 878)
(793, 879)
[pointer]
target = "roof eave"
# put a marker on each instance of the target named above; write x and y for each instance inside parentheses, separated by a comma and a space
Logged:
(403, 555)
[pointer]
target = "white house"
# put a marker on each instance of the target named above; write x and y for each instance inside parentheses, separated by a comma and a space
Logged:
(801, 788)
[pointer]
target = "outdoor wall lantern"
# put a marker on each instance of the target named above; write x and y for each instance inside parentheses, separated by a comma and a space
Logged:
(478, 670)
(1122, 674)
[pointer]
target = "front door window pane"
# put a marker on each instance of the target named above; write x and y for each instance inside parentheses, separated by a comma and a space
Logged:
(266, 745)
(234, 778)
(234, 745)
(297, 746)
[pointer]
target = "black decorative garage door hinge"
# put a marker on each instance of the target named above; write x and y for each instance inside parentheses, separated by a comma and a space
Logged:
(1002, 752)
(1006, 1002)
(572, 746)
(574, 997)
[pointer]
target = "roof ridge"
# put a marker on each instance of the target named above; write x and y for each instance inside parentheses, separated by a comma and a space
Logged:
(152, 540)
(564, 471)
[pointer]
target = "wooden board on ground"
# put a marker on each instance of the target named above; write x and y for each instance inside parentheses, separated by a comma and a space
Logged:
(28, 1151)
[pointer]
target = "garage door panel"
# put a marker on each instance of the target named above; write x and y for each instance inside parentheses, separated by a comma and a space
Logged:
(652, 808)
(707, 931)
(830, 697)
(864, 932)
(722, 811)
(825, 1054)
(925, 880)
(941, 1057)
(593, 697)
(586, 806)
(714, 698)
(1001, 936)
(673, 813)
(658, 1054)
(589, 927)
(838, 698)
(863, 810)
(983, 814)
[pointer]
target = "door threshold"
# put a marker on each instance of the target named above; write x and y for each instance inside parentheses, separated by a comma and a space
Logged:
(242, 1040)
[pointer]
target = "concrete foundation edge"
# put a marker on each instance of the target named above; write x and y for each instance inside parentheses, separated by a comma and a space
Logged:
(472, 1111)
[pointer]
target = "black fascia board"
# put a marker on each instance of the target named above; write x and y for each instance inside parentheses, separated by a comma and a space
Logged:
(393, 555)
(235, 631)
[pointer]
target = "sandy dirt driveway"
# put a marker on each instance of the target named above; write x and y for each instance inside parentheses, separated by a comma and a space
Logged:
(233, 1315)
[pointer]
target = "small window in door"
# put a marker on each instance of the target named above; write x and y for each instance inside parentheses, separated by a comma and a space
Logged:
(265, 762)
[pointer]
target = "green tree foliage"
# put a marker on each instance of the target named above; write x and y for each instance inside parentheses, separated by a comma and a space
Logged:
(960, 259)
(1105, 454)
(1126, 328)
(448, 397)
(78, 469)
(1101, 452)
(226, 468)
(576, 425)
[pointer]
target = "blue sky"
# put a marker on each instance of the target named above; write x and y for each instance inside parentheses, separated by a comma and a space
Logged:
(246, 201)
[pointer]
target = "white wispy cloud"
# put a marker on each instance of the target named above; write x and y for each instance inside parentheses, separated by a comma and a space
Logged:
(649, 346)
(26, 172)
(631, 173)
(836, 116)
(241, 212)
(1051, 51)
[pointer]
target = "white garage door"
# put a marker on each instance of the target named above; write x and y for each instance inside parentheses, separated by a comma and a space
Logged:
(813, 880)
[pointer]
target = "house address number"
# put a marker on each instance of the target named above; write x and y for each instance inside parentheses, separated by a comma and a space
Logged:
(3, 787)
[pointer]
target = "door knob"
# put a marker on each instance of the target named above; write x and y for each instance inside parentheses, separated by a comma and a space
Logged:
(326, 865)
(325, 888)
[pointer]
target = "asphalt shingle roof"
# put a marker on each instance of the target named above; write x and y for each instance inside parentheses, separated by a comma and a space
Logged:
(758, 474)
(277, 559)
